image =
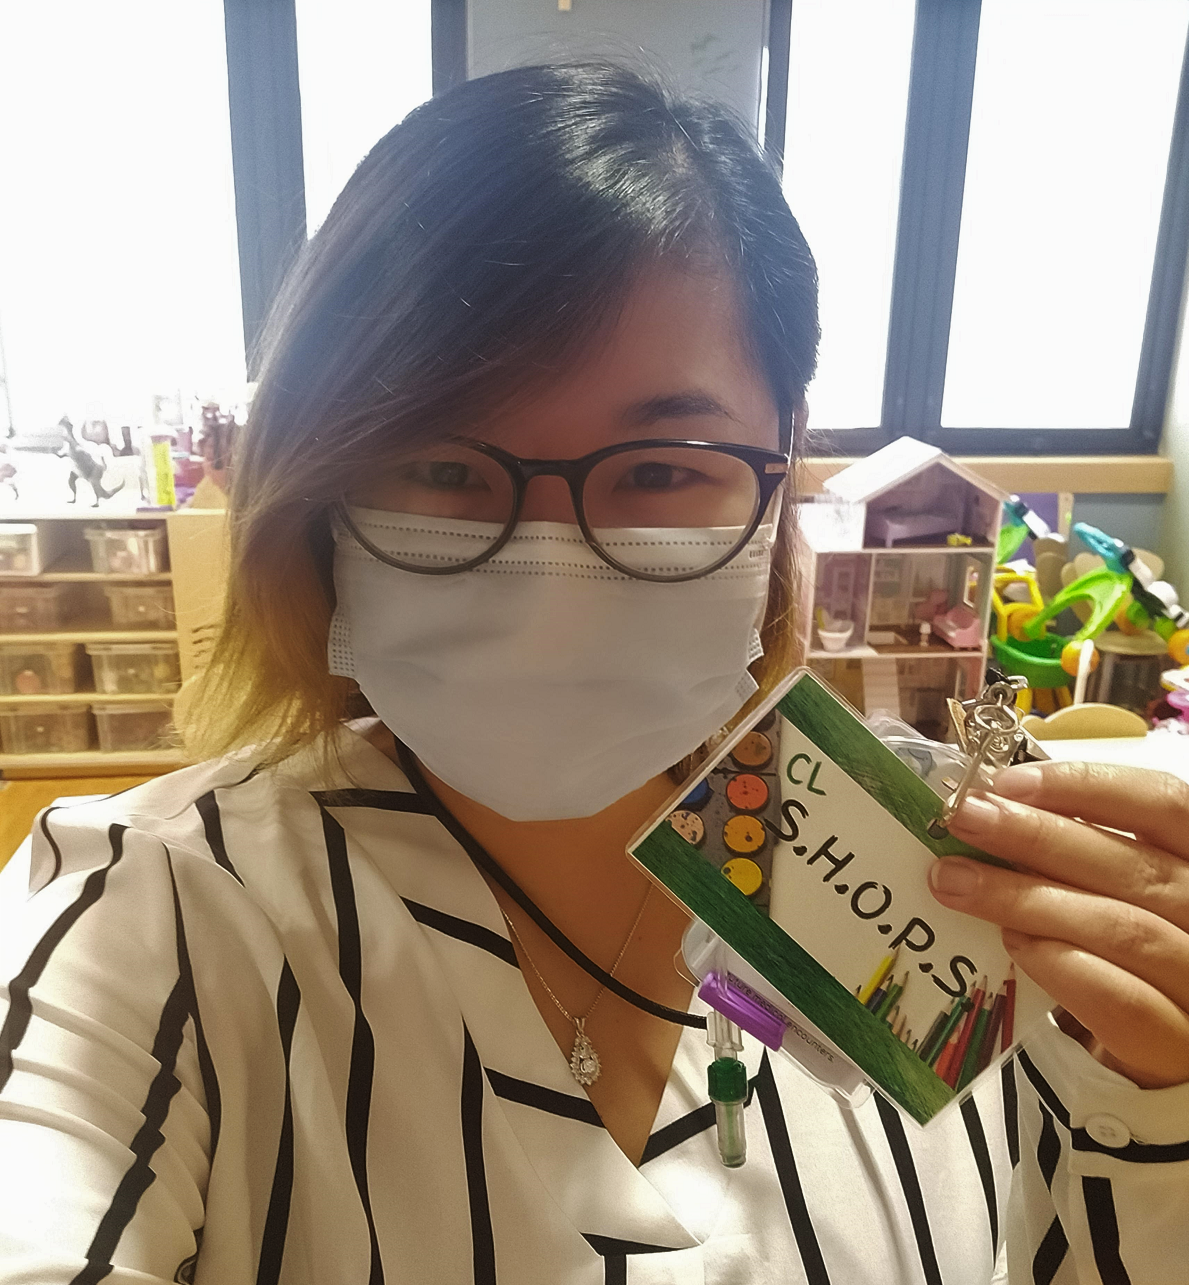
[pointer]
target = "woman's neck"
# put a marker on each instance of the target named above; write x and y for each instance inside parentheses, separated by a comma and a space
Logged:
(578, 872)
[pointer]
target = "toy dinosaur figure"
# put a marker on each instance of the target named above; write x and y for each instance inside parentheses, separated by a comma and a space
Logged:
(86, 463)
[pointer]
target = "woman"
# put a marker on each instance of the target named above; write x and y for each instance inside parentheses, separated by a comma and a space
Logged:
(307, 1012)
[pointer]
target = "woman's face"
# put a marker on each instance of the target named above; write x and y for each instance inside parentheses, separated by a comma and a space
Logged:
(673, 365)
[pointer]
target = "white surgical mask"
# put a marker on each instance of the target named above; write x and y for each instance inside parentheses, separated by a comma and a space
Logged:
(543, 683)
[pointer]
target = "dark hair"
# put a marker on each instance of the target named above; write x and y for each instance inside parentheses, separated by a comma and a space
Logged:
(481, 241)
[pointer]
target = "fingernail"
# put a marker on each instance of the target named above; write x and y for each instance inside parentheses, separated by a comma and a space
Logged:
(975, 816)
(1021, 782)
(955, 877)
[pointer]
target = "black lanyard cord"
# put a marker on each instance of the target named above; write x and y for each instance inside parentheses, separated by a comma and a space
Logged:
(483, 861)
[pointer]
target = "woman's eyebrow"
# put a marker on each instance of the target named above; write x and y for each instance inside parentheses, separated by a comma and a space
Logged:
(684, 405)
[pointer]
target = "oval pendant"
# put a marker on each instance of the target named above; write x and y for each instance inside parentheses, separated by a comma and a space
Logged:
(584, 1061)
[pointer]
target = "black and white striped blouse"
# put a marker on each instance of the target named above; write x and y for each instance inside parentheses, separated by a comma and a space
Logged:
(254, 1032)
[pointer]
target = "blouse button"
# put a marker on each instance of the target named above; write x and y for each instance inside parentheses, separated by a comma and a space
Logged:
(1108, 1131)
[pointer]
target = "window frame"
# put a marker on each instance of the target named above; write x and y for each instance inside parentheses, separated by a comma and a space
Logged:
(933, 174)
(268, 168)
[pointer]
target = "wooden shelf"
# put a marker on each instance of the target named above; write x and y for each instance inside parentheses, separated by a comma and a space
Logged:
(858, 652)
(81, 633)
(76, 567)
(196, 543)
(91, 762)
(930, 649)
(970, 549)
(89, 698)
(125, 507)
(932, 652)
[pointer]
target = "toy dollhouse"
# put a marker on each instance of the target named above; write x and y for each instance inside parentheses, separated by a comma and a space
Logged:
(896, 565)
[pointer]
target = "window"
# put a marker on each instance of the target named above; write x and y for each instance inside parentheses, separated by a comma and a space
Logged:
(118, 263)
(363, 65)
(847, 96)
(1069, 135)
(1000, 224)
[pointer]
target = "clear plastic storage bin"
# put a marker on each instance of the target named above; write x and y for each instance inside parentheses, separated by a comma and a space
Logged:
(136, 551)
(132, 727)
(36, 669)
(45, 729)
(27, 549)
(135, 667)
(32, 608)
(141, 606)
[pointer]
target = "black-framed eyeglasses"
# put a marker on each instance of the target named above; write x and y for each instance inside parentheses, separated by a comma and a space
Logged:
(660, 509)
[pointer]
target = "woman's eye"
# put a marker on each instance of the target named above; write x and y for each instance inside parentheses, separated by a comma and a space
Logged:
(655, 476)
(448, 473)
(443, 475)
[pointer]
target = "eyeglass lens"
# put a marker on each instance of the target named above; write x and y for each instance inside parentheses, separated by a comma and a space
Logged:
(695, 505)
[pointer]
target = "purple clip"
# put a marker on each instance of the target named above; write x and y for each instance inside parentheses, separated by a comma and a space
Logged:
(751, 1012)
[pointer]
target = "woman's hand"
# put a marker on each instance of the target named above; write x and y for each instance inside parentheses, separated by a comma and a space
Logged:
(1099, 919)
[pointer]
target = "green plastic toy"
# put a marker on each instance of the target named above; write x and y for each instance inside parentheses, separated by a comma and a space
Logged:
(1019, 523)
(1124, 582)
(1037, 657)
(1103, 588)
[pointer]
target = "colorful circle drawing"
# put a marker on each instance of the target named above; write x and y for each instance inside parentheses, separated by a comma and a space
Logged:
(744, 835)
(754, 750)
(744, 874)
(747, 792)
(689, 825)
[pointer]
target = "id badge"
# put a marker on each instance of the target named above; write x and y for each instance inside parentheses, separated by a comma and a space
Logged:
(802, 850)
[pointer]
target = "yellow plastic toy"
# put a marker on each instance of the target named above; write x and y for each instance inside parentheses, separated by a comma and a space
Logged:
(1007, 611)
(1071, 658)
(1178, 647)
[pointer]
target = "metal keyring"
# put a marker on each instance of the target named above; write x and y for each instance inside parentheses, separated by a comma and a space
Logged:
(991, 735)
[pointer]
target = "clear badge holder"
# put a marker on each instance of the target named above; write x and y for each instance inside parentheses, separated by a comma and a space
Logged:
(729, 984)
(737, 990)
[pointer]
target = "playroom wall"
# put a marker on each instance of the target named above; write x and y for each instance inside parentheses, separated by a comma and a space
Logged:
(709, 47)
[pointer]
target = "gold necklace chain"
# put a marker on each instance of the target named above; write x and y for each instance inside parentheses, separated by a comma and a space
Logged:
(585, 1065)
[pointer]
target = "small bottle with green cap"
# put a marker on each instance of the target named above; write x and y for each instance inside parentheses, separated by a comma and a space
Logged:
(726, 1083)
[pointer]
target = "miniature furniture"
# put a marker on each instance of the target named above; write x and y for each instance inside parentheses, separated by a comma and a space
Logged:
(900, 545)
